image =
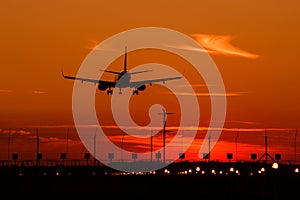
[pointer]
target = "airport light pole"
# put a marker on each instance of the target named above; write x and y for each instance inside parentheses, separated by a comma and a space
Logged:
(67, 145)
(37, 147)
(8, 145)
(151, 147)
(295, 146)
(95, 150)
(236, 138)
(164, 113)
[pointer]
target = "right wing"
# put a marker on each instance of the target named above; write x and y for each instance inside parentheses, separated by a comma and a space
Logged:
(108, 83)
(163, 80)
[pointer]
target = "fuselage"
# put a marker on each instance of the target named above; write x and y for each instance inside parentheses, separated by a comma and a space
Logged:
(123, 80)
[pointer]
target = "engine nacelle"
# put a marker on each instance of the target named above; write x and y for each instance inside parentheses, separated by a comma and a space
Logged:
(102, 86)
(142, 87)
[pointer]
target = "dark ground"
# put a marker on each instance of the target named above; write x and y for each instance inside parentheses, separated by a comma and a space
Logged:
(97, 182)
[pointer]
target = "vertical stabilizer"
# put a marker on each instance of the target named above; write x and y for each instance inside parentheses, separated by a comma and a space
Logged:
(125, 60)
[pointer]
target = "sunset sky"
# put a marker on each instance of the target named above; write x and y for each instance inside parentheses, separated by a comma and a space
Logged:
(254, 44)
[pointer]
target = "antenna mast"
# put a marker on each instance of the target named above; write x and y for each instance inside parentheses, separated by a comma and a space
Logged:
(164, 113)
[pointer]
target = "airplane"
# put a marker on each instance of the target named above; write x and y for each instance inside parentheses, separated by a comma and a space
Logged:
(122, 80)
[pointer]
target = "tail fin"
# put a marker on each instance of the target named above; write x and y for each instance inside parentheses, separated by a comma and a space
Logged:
(125, 60)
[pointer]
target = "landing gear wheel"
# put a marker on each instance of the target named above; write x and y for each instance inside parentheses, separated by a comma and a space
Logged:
(135, 92)
(109, 92)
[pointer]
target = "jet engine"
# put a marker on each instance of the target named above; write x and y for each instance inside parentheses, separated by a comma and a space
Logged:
(142, 87)
(102, 86)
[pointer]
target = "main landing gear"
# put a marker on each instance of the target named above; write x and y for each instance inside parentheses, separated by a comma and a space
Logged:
(109, 91)
(136, 91)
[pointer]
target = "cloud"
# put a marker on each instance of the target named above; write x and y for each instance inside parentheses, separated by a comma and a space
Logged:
(228, 94)
(93, 45)
(38, 92)
(51, 126)
(196, 85)
(218, 44)
(16, 132)
(152, 130)
(59, 140)
(241, 122)
(5, 91)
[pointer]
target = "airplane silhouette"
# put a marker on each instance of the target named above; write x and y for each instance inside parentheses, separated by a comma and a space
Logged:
(122, 80)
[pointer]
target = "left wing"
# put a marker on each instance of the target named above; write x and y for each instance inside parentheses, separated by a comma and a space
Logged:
(136, 84)
(109, 83)
(81, 79)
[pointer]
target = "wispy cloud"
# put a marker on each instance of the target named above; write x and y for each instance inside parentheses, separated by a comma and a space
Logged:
(221, 44)
(228, 94)
(54, 126)
(196, 85)
(16, 132)
(38, 92)
(5, 91)
(217, 44)
(93, 45)
(59, 140)
(184, 128)
(241, 122)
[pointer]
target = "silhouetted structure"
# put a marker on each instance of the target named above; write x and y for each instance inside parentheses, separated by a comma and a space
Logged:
(266, 154)
(164, 113)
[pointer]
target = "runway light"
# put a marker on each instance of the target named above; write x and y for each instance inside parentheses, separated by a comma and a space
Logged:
(203, 172)
(221, 172)
(296, 170)
(190, 171)
(57, 174)
(275, 165)
(213, 171)
(262, 169)
(237, 172)
(198, 169)
(231, 169)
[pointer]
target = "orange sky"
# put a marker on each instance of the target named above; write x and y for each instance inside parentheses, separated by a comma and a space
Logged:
(253, 43)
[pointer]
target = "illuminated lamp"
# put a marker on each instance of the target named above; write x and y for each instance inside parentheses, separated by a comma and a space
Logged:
(275, 165)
